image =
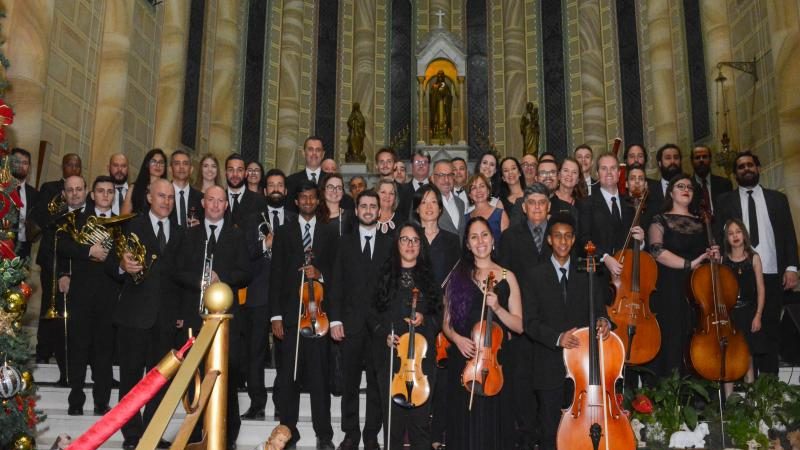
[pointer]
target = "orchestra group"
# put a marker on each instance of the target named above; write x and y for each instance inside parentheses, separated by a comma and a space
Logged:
(461, 295)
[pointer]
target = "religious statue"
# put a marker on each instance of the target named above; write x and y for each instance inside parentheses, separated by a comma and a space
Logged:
(277, 439)
(356, 126)
(529, 127)
(441, 107)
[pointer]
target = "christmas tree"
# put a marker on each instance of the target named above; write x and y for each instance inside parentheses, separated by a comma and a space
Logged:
(18, 417)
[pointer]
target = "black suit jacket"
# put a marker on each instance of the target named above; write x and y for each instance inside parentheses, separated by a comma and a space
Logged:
(194, 201)
(42, 219)
(90, 286)
(31, 199)
(231, 263)
(355, 280)
(780, 216)
(518, 250)
(287, 259)
(260, 261)
(546, 316)
(597, 224)
(655, 197)
(250, 203)
(719, 186)
(156, 300)
(405, 199)
(292, 182)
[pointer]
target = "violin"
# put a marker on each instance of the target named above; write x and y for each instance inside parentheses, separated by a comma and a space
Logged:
(313, 321)
(442, 344)
(482, 374)
(595, 420)
(718, 351)
(410, 387)
(631, 308)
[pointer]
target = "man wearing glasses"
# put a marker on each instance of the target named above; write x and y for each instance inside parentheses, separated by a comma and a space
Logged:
(547, 172)
(420, 167)
(452, 218)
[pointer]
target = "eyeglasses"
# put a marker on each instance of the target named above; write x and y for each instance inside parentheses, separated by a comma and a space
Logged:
(413, 241)
(684, 187)
(443, 175)
(332, 188)
(547, 173)
(421, 162)
(529, 165)
(157, 162)
(253, 171)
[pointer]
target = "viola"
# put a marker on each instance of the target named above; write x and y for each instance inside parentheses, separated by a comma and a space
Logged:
(442, 344)
(636, 323)
(595, 420)
(313, 320)
(718, 351)
(410, 387)
(483, 375)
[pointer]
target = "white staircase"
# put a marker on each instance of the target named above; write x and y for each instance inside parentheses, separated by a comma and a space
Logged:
(53, 402)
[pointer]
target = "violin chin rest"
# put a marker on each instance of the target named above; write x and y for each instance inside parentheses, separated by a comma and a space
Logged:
(401, 401)
(309, 333)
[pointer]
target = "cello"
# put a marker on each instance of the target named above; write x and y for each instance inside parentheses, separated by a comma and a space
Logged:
(483, 374)
(595, 420)
(410, 387)
(631, 308)
(718, 350)
(312, 322)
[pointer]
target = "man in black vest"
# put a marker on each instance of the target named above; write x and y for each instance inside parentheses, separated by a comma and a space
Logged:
(356, 271)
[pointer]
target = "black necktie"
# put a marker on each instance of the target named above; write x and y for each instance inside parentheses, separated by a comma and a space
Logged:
(615, 210)
(276, 220)
(563, 284)
(212, 239)
(162, 238)
(235, 201)
(183, 210)
(707, 196)
(367, 248)
(752, 218)
(120, 198)
(314, 177)
(102, 214)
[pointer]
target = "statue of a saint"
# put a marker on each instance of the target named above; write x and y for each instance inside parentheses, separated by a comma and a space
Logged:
(529, 127)
(356, 126)
(441, 103)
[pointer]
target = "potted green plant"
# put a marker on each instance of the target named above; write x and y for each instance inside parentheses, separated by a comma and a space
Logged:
(767, 404)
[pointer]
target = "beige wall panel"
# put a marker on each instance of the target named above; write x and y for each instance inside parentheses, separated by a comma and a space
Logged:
(171, 71)
(226, 67)
(515, 81)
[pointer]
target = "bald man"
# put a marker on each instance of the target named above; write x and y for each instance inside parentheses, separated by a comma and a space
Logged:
(118, 171)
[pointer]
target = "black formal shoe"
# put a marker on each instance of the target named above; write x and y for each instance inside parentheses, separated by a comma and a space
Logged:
(372, 444)
(325, 445)
(254, 414)
(130, 444)
(163, 443)
(348, 444)
(101, 410)
(75, 411)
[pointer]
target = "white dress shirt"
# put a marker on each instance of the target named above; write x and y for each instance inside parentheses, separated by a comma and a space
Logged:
(766, 235)
(115, 206)
(154, 222)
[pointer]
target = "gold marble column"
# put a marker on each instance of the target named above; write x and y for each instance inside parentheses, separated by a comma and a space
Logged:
(172, 68)
(27, 33)
(289, 140)
(784, 17)
(226, 70)
(112, 81)
(662, 70)
(364, 67)
(592, 77)
(515, 80)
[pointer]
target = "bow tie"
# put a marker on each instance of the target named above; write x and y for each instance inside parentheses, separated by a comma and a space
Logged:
(459, 191)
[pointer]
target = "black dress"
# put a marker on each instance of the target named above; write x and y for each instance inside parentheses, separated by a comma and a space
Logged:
(444, 251)
(746, 303)
(685, 237)
(482, 428)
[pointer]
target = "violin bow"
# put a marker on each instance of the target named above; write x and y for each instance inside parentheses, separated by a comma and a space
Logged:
(391, 372)
(483, 309)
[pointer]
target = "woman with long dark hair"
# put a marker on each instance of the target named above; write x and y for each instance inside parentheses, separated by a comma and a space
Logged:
(255, 177)
(481, 428)
(154, 166)
(407, 268)
(444, 245)
(330, 209)
(512, 187)
(209, 174)
(488, 166)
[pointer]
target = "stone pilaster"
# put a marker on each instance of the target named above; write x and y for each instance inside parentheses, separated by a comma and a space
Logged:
(592, 79)
(515, 71)
(660, 66)
(225, 77)
(172, 68)
(497, 82)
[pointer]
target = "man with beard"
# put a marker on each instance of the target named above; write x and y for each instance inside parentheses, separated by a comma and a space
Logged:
(460, 177)
(259, 233)
(118, 171)
(769, 223)
(188, 200)
(547, 173)
(669, 164)
(356, 271)
(28, 195)
(713, 185)
(384, 164)
(241, 201)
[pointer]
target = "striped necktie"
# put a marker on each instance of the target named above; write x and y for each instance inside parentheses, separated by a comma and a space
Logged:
(307, 238)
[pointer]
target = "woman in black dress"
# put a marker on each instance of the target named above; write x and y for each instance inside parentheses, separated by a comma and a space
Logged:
(678, 243)
(512, 187)
(330, 210)
(154, 166)
(407, 268)
(746, 314)
(481, 428)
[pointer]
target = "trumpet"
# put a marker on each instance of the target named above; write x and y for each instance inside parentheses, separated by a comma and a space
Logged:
(205, 281)
(133, 245)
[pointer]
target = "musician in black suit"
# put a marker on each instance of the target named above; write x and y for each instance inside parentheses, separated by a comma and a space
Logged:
(668, 157)
(188, 201)
(554, 308)
(259, 235)
(241, 201)
(289, 248)
(605, 219)
(91, 297)
(28, 195)
(713, 186)
(420, 167)
(329, 167)
(453, 208)
(359, 259)
(118, 171)
(147, 313)
(313, 152)
(772, 235)
(216, 238)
